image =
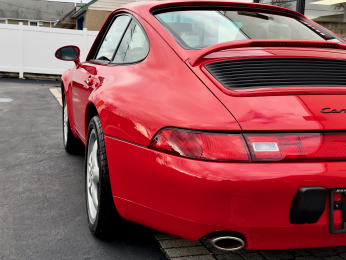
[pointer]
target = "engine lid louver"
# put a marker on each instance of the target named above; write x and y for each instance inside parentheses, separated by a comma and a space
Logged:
(278, 72)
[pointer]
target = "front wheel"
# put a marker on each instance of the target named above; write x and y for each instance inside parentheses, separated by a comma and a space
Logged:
(103, 217)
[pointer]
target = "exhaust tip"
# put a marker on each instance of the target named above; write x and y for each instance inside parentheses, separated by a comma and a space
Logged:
(227, 241)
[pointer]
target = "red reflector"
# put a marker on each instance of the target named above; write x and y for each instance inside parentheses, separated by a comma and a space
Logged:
(294, 44)
(200, 145)
(297, 147)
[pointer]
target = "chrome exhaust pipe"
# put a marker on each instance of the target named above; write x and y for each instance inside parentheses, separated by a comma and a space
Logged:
(227, 241)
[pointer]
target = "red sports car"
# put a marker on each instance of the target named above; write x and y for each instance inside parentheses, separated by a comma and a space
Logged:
(212, 118)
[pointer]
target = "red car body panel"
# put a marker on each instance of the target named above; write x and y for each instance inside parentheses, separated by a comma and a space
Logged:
(275, 109)
(149, 90)
(191, 198)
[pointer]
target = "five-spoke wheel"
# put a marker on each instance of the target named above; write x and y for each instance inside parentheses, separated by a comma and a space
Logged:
(92, 182)
(103, 217)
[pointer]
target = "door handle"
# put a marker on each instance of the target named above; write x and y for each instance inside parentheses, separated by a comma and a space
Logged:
(89, 82)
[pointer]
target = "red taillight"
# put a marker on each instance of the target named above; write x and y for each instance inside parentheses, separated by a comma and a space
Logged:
(262, 147)
(297, 147)
(201, 145)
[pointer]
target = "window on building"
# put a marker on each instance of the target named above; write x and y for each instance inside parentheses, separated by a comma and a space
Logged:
(3, 22)
(289, 4)
(328, 13)
(134, 46)
(113, 36)
(80, 23)
(33, 23)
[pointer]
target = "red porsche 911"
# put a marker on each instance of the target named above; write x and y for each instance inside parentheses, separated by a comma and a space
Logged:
(213, 119)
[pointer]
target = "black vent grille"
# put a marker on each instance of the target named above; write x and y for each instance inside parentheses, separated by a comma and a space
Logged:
(278, 72)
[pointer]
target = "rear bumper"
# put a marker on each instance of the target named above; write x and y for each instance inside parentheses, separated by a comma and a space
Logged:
(191, 198)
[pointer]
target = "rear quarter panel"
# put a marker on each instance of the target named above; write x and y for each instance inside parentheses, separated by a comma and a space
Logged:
(135, 101)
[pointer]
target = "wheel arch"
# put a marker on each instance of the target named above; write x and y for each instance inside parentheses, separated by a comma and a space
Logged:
(90, 113)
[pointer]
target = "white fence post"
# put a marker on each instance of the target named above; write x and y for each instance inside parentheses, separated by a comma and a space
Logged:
(21, 51)
(85, 41)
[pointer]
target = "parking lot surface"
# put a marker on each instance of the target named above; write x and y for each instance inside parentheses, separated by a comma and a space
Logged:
(42, 209)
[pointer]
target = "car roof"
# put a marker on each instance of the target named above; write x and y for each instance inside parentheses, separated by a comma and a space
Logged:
(145, 7)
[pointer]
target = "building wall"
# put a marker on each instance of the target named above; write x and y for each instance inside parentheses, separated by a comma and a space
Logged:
(94, 19)
(26, 22)
(109, 5)
(45, 24)
(34, 10)
(10, 21)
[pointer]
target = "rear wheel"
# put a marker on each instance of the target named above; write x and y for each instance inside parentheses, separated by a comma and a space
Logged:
(103, 217)
(71, 143)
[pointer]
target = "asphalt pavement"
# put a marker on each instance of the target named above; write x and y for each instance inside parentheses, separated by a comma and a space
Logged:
(42, 207)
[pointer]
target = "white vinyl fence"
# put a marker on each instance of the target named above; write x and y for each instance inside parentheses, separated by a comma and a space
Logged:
(31, 49)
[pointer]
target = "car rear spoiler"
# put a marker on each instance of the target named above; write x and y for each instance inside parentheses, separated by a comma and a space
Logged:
(263, 43)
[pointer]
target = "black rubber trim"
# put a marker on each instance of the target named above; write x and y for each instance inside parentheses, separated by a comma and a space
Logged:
(308, 205)
(222, 7)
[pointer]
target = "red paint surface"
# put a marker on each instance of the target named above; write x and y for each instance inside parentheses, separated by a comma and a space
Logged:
(191, 198)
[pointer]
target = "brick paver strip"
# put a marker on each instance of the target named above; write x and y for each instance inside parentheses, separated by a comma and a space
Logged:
(178, 243)
(320, 252)
(333, 258)
(340, 249)
(308, 258)
(276, 254)
(186, 251)
(197, 257)
(252, 256)
(229, 256)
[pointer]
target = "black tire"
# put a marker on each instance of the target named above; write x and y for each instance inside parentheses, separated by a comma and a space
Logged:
(107, 221)
(71, 143)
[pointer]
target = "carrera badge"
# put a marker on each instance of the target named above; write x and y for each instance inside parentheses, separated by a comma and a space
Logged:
(328, 110)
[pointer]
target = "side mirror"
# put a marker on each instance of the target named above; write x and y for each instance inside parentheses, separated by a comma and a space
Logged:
(69, 53)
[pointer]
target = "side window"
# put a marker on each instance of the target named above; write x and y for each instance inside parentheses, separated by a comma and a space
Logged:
(111, 41)
(134, 46)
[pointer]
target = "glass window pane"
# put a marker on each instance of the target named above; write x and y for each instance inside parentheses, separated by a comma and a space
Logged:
(2, 21)
(134, 46)
(199, 29)
(112, 38)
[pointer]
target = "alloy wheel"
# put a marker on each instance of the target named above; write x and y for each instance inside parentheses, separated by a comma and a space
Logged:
(65, 123)
(92, 182)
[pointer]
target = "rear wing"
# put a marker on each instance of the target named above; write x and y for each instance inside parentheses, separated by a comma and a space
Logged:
(263, 43)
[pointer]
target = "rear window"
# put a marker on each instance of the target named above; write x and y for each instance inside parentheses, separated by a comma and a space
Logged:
(199, 29)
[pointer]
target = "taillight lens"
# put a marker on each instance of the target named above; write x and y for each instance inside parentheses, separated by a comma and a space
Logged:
(201, 145)
(262, 146)
(297, 147)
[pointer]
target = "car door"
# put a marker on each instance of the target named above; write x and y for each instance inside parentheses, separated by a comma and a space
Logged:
(86, 75)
